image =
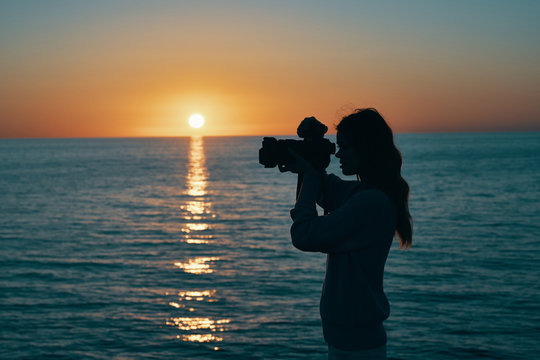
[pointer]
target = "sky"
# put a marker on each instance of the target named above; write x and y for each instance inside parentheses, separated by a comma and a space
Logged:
(141, 68)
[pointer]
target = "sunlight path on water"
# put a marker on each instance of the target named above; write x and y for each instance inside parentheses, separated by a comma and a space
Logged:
(196, 210)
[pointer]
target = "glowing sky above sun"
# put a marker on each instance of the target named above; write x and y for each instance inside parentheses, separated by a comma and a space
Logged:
(127, 68)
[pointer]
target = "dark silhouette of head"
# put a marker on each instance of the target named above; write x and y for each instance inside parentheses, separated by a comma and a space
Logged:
(379, 162)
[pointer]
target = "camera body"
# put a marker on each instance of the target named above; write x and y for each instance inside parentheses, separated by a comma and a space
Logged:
(314, 147)
(315, 150)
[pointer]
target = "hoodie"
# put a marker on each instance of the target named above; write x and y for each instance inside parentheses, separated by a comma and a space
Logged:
(356, 235)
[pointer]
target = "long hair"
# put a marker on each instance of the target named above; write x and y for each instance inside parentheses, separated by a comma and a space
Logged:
(369, 134)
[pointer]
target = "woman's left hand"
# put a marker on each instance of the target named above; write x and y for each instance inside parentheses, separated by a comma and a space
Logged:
(302, 166)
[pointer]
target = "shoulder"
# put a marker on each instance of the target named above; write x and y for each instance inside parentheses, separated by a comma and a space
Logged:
(376, 201)
(371, 194)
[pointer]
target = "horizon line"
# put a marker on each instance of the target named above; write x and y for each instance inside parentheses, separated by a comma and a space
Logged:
(259, 135)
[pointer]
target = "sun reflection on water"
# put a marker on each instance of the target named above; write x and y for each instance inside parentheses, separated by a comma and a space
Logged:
(197, 227)
(198, 323)
(197, 265)
(196, 171)
(200, 338)
(197, 209)
(200, 239)
(197, 230)
(199, 329)
(197, 295)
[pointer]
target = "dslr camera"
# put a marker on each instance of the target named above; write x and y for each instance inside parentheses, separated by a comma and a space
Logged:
(314, 147)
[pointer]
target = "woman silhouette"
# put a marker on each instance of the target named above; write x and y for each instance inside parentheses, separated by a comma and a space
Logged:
(363, 217)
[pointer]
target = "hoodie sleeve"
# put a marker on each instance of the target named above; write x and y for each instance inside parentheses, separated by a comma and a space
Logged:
(354, 225)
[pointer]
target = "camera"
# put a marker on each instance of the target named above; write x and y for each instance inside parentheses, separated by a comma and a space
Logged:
(314, 147)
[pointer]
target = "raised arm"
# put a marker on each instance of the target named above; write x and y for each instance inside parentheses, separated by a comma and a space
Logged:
(365, 217)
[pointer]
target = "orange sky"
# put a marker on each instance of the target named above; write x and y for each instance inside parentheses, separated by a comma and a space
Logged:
(252, 68)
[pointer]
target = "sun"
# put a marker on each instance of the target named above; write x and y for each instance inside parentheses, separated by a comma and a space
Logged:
(196, 121)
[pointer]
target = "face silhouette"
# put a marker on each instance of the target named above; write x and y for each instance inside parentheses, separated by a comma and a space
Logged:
(349, 158)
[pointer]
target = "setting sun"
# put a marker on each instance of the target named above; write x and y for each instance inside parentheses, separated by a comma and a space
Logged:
(196, 121)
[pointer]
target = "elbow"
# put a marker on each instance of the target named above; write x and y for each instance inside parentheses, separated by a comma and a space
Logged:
(301, 240)
(299, 243)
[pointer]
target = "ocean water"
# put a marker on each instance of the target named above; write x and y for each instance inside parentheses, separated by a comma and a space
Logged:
(179, 248)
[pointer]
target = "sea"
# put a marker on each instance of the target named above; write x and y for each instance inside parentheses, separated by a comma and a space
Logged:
(179, 248)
